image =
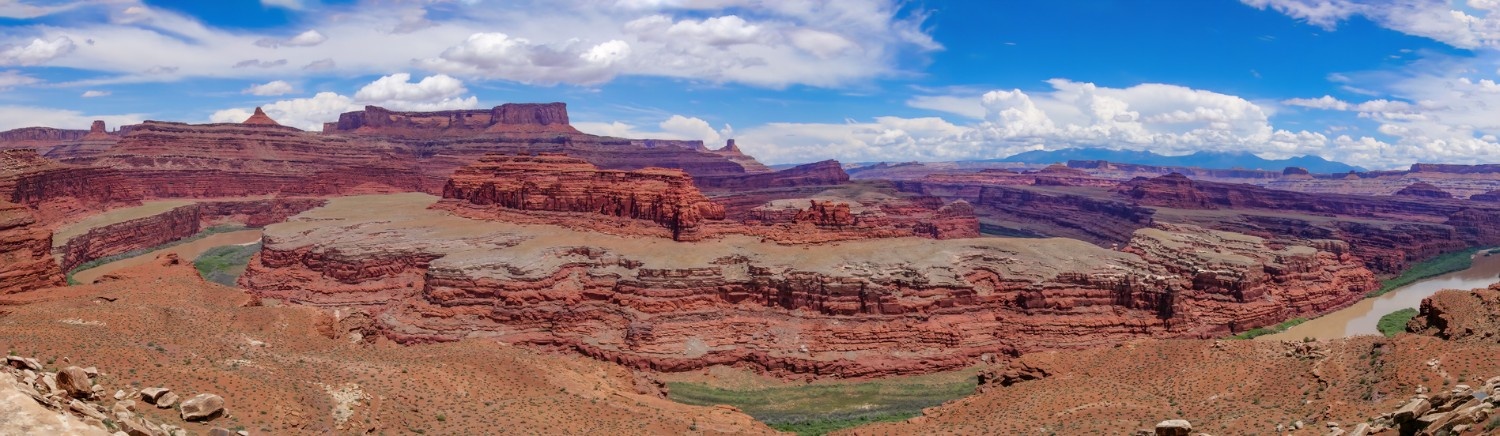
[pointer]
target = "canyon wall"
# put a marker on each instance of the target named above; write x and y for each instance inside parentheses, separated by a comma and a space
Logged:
(558, 183)
(25, 251)
(175, 224)
(852, 309)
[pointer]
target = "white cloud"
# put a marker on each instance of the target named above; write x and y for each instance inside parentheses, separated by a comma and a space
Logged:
(19, 9)
(768, 44)
(15, 117)
(289, 4)
(499, 56)
(1474, 26)
(36, 52)
(12, 78)
(674, 127)
(305, 39)
(95, 93)
(1161, 118)
(274, 87)
(395, 92)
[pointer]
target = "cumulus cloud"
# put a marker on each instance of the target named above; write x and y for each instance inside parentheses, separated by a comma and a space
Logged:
(305, 39)
(36, 52)
(1474, 26)
(1161, 118)
(94, 93)
(274, 87)
(395, 91)
(768, 44)
(500, 56)
(674, 127)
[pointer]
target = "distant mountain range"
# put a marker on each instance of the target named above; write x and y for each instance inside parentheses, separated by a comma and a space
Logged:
(1202, 159)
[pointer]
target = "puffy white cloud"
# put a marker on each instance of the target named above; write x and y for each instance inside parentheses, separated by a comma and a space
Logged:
(36, 52)
(15, 117)
(395, 91)
(274, 87)
(305, 39)
(303, 113)
(1474, 26)
(674, 127)
(499, 56)
(1161, 118)
(769, 44)
(95, 93)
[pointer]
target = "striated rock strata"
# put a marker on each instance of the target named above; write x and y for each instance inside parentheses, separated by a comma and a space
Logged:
(25, 251)
(857, 308)
(556, 183)
(175, 224)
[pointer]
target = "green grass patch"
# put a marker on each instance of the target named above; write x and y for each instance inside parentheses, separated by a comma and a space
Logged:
(1270, 330)
(819, 408)
(224, 228)
(224, 265)
(1395, 322)
(1442, 264)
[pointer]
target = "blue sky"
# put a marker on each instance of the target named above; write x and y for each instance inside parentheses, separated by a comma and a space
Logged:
(1379, 83)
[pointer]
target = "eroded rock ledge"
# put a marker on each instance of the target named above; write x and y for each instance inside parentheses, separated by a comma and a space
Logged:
(850, 309)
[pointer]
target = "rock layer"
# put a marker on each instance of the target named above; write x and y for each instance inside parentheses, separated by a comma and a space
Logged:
(558, 183)
(175, 224)
(858, 308)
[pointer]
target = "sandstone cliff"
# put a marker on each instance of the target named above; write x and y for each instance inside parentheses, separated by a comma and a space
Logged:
(857, 308)
(556, 183)
(175, 224)
(25, 251)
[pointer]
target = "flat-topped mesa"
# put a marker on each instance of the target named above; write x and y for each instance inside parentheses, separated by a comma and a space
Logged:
(559, 183)
(97, 132)
(1424, 190)
(506, 118)
(259, 118)
(1172, 190)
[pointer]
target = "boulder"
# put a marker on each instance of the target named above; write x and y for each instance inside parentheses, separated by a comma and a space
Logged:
(216, 431)
(1413, 409)
(23, 363)
(86, 410)
(166, 400)
(75, 382)
(150, 395)
(202, 407)
(1174, 427)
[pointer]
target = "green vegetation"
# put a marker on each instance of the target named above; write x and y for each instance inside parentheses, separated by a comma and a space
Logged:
(1262, 331)
(1395, 322)
(133, 253)
(224, 265)
(1443, 264)
(819, 408)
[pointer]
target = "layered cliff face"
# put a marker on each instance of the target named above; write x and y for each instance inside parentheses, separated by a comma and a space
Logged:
(550, 189)
(1013, 210)
(857, 308)
(557, 183)
(1423, 190)
(1460, 315)
(167, 160)
(175, 224)
(56, 189)
(25, 251)
(506, 118)
(1388, 232)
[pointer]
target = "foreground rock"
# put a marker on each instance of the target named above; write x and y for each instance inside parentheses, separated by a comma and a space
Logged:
(168, 328)
(202, 407)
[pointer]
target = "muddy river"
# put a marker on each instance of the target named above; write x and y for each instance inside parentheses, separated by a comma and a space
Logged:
(187, 251)
(1360, 319)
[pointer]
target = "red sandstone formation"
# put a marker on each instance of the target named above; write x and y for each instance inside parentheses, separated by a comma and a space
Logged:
(25, 251)
(1491, 196)
(557, 183)
(506, 118)
(1423, 189)
(823, 173)
(56, 189)
(857, 308)
(259, 118)
(176, 224)
(1460, 315)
